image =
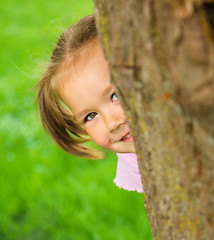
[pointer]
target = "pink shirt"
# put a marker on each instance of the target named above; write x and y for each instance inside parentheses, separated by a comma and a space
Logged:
(128, 176)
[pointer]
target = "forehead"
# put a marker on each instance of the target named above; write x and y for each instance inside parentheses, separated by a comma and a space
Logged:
(80, 62)
(84, 77)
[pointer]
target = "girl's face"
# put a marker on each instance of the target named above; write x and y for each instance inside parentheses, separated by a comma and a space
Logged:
(91, 97)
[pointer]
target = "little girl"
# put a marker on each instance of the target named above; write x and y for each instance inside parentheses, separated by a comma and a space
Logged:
(77, 100)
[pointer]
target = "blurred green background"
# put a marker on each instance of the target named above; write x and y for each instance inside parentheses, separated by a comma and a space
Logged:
(44, 192)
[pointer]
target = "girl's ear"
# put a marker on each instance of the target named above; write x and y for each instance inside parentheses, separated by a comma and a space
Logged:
(61, 125)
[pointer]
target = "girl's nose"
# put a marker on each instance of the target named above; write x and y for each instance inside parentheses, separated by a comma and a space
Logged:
(114, 119)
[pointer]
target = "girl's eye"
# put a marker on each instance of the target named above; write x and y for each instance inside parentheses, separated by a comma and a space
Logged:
(114, 97)
(90, 116)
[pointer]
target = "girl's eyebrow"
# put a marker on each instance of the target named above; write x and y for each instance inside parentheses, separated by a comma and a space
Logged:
(84, 112)
(107, 90)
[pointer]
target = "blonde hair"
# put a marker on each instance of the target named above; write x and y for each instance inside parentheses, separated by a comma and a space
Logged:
(55, 117)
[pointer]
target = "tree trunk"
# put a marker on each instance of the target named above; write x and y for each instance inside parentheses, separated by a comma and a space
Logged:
(161, 55)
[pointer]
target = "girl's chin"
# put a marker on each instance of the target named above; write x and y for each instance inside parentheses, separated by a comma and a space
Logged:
(128, 148)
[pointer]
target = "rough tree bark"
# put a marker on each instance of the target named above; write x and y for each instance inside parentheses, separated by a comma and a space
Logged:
(161, 55)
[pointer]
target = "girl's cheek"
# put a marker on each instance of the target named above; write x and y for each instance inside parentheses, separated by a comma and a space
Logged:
(96, 131)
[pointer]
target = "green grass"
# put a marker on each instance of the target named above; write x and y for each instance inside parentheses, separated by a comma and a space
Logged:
(45, 193)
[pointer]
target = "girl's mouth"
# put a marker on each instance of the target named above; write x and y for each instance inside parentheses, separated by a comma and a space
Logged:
(127, 138)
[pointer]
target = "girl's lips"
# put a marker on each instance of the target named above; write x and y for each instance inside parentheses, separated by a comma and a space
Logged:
(127, 138)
